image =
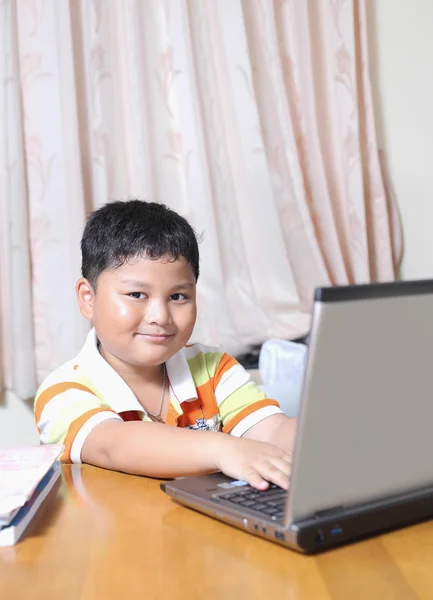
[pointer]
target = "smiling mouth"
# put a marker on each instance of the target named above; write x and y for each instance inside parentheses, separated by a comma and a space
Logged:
(155, 337)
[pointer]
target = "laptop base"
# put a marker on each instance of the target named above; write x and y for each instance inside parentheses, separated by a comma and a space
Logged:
(324, 531)
(343, 526)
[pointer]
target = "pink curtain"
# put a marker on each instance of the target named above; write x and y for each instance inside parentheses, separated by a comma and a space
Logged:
(252, 118)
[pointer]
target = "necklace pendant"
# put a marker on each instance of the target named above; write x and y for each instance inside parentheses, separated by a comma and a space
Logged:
(159, 418)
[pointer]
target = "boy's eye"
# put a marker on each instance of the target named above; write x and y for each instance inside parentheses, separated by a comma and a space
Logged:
(177, 297)
(137, 295)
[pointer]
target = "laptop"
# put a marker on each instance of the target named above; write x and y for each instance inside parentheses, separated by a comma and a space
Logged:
(363, 456)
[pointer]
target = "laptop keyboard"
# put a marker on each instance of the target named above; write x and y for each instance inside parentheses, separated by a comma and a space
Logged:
(269, 503)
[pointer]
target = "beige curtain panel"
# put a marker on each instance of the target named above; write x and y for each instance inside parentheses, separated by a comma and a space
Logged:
(251, 118)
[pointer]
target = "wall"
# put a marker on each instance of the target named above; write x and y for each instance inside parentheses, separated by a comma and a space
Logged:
(17, 425)
(401, 62)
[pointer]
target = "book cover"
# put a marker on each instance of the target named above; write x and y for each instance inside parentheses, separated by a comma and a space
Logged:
(21, 469)
(11, 533)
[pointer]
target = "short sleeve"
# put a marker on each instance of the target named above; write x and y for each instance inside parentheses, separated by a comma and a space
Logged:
(66, 413)
(241, 403)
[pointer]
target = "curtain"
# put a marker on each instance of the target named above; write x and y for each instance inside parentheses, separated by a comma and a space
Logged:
(252, 118)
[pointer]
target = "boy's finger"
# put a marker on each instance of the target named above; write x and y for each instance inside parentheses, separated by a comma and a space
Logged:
(256, 480)
(274, 475)
(281, 464)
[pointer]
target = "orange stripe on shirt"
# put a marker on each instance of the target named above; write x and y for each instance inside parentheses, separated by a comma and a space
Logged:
(55, 390)
(172, 416)
(226, 363)
(248, 411)
(204, 407)
(206, 396)
(75, 427)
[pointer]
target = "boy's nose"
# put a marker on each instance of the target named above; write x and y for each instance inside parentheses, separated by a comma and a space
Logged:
(158, 313)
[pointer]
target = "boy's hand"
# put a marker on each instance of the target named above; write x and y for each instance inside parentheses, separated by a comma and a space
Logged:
(258, 463)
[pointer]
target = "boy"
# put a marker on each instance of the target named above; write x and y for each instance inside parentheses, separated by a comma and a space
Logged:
(136, 398)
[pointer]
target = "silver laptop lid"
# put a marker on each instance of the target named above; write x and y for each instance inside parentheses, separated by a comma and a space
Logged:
(365, 428)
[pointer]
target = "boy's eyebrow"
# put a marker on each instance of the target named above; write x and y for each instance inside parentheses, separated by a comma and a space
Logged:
(142, 284)
(135, 283)
(184, 285)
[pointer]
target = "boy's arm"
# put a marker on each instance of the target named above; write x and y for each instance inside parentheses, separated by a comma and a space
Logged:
(163, 451)
(276, 429)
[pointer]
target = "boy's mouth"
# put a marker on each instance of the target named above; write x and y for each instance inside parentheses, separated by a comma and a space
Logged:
(155, 337)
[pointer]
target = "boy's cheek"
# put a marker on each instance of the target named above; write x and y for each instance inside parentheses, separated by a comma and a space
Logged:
(114, 310)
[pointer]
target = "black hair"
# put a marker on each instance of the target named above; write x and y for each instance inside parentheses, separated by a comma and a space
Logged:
(120, 231)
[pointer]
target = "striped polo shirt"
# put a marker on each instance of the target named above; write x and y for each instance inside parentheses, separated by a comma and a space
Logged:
(209, 390)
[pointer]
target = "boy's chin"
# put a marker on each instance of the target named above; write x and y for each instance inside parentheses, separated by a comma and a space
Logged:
(151, 360)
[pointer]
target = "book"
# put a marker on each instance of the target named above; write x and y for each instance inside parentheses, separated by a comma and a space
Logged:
(11, 533)
(21, 470)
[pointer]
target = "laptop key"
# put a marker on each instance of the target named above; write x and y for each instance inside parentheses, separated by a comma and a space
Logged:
(269, 510)
(269, 503)
(251, 496)
(237, 499)
(272, 498)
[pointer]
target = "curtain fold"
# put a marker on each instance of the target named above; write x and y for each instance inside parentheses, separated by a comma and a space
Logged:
(17, 365)
(252, 118)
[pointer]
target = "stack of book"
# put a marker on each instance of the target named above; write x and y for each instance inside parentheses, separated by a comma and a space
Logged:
(27, 475)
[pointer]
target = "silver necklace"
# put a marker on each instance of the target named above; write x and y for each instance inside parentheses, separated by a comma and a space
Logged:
(161, 402)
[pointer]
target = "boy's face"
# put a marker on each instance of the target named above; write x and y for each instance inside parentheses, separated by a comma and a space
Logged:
(143, 312)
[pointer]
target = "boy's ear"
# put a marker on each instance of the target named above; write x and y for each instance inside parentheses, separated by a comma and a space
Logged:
(85, 296)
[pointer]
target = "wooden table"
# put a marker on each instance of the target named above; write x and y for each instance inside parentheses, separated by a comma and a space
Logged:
(107, 536)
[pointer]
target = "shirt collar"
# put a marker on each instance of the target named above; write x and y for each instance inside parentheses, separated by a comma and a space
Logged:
(181, 381)
(116, 392)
